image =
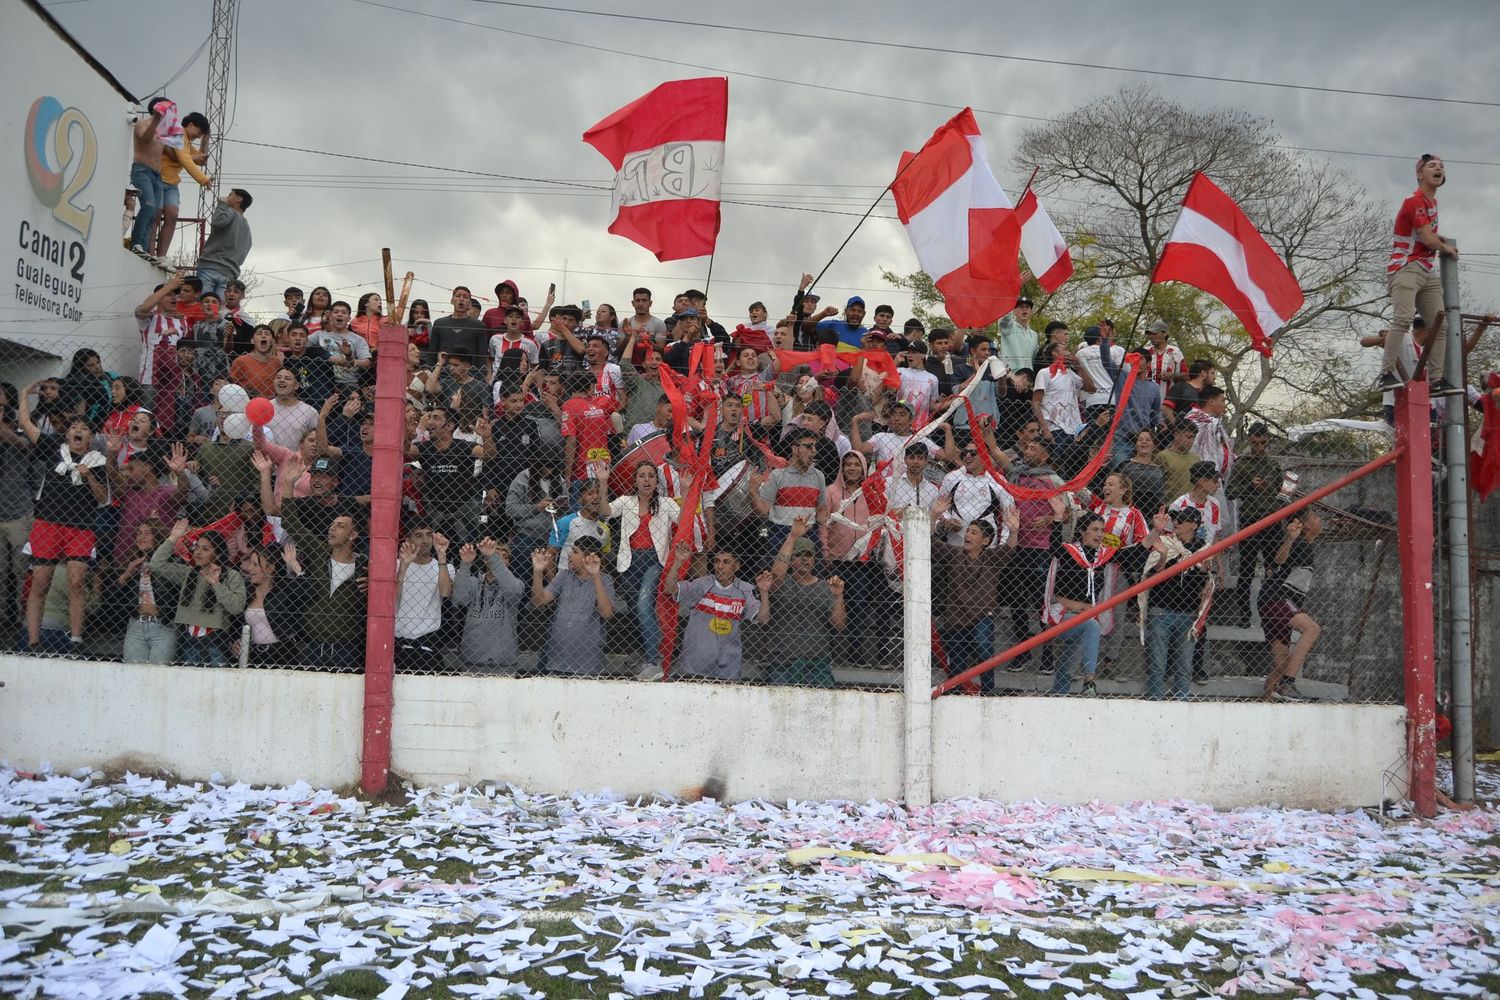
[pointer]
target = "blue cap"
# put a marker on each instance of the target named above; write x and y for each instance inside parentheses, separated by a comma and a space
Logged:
(689, 311)
(854, 300)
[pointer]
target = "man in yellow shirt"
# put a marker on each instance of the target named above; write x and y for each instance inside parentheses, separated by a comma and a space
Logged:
(174, 160)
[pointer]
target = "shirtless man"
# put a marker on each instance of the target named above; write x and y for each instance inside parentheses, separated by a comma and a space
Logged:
(145, 176)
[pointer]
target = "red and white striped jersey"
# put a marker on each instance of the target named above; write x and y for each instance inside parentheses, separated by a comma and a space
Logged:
(154, 329)
(1165, 364)
(1213, 515)
(1415, 212)
(1123, 526)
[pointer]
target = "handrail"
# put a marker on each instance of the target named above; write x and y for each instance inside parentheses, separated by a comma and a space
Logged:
(1048, 634)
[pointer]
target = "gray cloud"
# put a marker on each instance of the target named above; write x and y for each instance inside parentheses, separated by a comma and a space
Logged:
(340, 75)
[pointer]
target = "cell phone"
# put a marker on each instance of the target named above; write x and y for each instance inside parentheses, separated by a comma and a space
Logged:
(552, 288)
(586, 305)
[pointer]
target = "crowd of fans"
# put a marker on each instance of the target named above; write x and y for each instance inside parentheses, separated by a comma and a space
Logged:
(548, 463)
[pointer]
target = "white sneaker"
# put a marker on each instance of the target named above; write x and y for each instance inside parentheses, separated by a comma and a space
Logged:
(649, 672)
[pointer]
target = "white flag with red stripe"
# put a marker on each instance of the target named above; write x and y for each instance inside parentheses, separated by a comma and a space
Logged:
(667, 149)
(961, 223)
(1215, 247)
(1044, 248)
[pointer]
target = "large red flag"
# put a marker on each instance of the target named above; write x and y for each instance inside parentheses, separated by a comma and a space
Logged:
(667, 149)
(961, 223)
(1215, 247)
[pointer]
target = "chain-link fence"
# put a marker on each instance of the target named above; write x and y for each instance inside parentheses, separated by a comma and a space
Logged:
(206, 501)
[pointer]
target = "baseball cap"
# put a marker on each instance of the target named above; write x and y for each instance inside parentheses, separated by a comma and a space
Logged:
(327, 465)
(853, 301)
(1203, 470)
(1025, 300)
(877, 334)
(1259, 429)
(1192, 514)
(803, 547)
(812, 296)
(1157, 326)
(689, 311)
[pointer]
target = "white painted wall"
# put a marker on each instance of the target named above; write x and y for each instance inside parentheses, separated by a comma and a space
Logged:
(1224, 753)
(559, 735)
(261, 726)
(83, 297)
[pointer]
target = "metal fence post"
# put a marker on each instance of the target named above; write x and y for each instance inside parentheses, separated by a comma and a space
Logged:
(916, 652)
(1460, 610)
(385, 526)
(1415, 545)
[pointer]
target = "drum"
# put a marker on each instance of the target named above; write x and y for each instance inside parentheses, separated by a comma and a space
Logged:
(652, 449)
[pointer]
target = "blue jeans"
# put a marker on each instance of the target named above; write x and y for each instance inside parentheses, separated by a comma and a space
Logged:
(214, 281)
(642, 577)
(153, 195)
(1081, 642)
(967, 645)
(201, 650)
(1170, 643)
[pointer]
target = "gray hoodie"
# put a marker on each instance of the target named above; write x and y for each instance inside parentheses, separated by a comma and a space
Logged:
(490, 621)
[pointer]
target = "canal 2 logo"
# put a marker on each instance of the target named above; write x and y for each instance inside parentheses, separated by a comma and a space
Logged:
(60, 170)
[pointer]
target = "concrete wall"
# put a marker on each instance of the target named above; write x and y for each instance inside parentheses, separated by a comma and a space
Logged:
(554, 735)
(261, 726)
(1224, 753)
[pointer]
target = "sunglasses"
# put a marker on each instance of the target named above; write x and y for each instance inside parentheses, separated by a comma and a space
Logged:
(967, 452)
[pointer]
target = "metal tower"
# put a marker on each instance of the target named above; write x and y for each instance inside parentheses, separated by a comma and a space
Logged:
(215, 105)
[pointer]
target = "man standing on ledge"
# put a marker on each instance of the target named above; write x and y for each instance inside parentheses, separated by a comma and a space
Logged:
(1410, 276)
(228, 243)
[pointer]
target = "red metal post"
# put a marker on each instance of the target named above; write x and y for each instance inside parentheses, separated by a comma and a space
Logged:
(1415, 544)
(1047, 635)
(385, 525)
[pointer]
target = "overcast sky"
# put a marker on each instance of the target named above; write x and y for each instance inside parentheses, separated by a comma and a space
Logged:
(368, 80)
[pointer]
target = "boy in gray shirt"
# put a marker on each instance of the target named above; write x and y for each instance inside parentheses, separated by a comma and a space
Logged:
(716, 606)
(585, 598)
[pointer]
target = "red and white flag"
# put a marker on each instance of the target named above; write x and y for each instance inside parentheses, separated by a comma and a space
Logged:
(961, 223)
(1484, 454)
(667, 149)
(1044, 248)
(1214, 247)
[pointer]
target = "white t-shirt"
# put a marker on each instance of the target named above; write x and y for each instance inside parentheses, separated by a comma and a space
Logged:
(359, 350)
(641, 430)
(291, 422)
(973, 496)
(890, 448)
(1091, 360)
(1060, 400)
(919, 390)
(339, 573)
(154, 329)
(900, 492)
(420, 610)
(1213, 515)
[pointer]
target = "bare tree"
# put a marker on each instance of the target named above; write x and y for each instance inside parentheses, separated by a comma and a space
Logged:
(1117, 170)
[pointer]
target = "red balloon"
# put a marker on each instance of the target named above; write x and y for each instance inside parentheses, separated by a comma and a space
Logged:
(259, 411)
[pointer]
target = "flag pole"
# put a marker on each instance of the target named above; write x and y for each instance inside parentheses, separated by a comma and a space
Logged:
(873, 205)
(1114, 391)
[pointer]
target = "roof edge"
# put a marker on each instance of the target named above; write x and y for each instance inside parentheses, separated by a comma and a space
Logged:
(88, 57)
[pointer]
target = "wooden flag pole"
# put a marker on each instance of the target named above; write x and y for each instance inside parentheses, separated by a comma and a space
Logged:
(390, 284)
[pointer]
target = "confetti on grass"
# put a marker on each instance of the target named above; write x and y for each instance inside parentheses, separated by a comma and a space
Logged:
(141, 886)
